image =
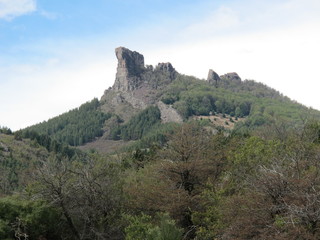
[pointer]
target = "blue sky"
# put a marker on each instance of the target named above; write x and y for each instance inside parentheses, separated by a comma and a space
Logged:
(58, 54)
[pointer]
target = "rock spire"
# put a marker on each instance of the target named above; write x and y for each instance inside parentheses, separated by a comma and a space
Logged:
(132, 74)
(213, 77)
(130, 67)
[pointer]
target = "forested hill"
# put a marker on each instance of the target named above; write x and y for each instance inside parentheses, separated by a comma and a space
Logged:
(257, 102)
(175, 98)
(222, 158)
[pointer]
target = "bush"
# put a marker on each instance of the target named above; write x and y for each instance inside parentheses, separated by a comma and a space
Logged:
(142, 228)
(34, 219)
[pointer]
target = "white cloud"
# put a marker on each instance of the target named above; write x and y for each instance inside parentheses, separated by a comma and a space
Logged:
(10, 9)
(48, 15)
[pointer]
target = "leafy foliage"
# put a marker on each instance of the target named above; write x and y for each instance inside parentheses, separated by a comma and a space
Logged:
(25, 219)
(141, 227)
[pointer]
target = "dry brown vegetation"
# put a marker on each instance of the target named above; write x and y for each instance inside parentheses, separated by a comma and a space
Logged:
(222, 120)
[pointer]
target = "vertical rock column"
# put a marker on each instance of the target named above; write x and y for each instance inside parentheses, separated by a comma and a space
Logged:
(213, 78)
(130, 67)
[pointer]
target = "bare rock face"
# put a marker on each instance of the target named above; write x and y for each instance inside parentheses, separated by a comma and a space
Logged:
(132, 74)
(167, 69)
(168, 113)
(213, 77)
(137, 86)
(231, 76)
(130, 67)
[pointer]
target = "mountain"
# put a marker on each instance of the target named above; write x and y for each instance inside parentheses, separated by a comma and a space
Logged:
(222, 158)
(143, 97)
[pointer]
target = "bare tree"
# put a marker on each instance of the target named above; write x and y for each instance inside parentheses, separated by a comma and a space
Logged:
(88, 193)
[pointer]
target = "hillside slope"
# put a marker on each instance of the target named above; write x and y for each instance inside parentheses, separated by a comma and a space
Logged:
(187, 172)
(18, 158)
(176, 96)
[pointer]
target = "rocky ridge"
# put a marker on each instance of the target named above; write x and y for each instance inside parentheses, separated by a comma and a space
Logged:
(231, 76)
(136, 86)
(214, 79)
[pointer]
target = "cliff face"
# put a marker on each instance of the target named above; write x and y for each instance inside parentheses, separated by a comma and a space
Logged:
(137, 86)
(213, 78)
(129, 70)
(132, 74)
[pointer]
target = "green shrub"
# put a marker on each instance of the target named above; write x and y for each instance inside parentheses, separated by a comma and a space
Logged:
(34, 218)
(142, 228)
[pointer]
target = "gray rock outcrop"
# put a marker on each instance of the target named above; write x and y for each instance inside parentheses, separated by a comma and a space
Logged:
(130, 67)
(213, 78)
(168, 113)
(167, 69)
(132, 74)
(137, 86)
(231, 76)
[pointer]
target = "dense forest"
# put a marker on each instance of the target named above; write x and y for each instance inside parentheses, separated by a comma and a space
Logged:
(138, 126)
(75, 127)
(197, 185)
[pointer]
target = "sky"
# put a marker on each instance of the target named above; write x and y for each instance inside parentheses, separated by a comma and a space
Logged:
(57, 54)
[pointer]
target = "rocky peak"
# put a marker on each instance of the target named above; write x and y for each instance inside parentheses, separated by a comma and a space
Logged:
(132, 74)
(167, 69)
(213, 77)
(231, 76)
(130, 67)
(136, 86)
